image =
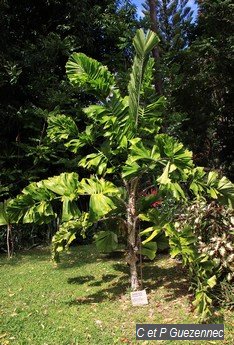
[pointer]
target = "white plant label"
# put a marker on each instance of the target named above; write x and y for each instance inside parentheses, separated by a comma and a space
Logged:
(139, 298)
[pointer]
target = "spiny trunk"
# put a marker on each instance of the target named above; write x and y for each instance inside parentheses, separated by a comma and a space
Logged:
(132, 239)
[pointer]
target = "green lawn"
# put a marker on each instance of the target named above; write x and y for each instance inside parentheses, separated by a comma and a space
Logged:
(85, 300)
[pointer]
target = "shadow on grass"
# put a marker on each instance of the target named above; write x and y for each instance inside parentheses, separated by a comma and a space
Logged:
(110, 293)
(35, 254)
(173, 278)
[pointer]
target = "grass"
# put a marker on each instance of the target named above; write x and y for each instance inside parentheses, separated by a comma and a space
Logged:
(85, 300)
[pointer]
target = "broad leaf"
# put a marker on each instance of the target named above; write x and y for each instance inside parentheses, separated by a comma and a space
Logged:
(61, 127)
(4, 217)
(90, 75)
(106, 241)
(64, 184)
(149, 249)
(153, 231)
(70, 209)
(101, 193)
(143, 45)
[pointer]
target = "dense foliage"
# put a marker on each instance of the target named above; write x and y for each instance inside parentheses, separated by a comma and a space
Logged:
(117, 140)
(128, 149)
(36, 40)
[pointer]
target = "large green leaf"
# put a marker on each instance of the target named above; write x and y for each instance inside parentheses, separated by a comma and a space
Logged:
(67, 233)
(38, 191)
(153, 231)
(210, 184)
(106, 241)
(149, 249)
(131, 169)
(39, 213)
(4, 218)
(111, 119)
(70, 209)
(102, 195)
(29, 210)
(97, 186)
(196, 176)
(139, 158)
(143, 45)
(95, 161)
(61, 127)
(87, 137)
(65, 184)
(90, 75)
(174, 151)
(226, 189)
(100, 205)
(33, 205)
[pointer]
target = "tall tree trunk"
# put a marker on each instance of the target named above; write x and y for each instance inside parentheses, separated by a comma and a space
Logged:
(156, 55)
(132, 239)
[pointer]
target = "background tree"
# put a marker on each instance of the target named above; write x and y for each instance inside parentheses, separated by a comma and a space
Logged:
(171, 21)
(36, 40)
(204, 89)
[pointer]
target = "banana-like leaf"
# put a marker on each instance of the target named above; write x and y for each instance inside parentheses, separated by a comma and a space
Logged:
(143, 45)
(39, 213)
(90, 75)
(4, 217)
(174, 151)
(106, 241)
(101, 196)
(112, 119)
(70, 209)
(149, 249)
(85, 138)
(153, 231)
(67, 234)
(33, 205)
(226, 189)
(61, 127)
(96, 161)
(65, 184)
(175, 189)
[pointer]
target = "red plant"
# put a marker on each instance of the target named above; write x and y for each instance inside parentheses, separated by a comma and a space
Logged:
(152, 191)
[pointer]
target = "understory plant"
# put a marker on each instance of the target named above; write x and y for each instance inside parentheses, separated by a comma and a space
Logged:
(123, 151)
(212, 226)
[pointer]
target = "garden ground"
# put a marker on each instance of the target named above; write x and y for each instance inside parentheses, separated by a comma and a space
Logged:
(85, 299)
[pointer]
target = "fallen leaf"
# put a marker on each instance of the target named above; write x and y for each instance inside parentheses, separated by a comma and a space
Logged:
(168, 320)
(98, 322)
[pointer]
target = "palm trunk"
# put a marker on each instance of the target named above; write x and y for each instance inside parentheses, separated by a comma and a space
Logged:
(132, 235)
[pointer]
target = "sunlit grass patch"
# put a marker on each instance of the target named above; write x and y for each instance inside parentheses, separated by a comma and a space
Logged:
(85, 299)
